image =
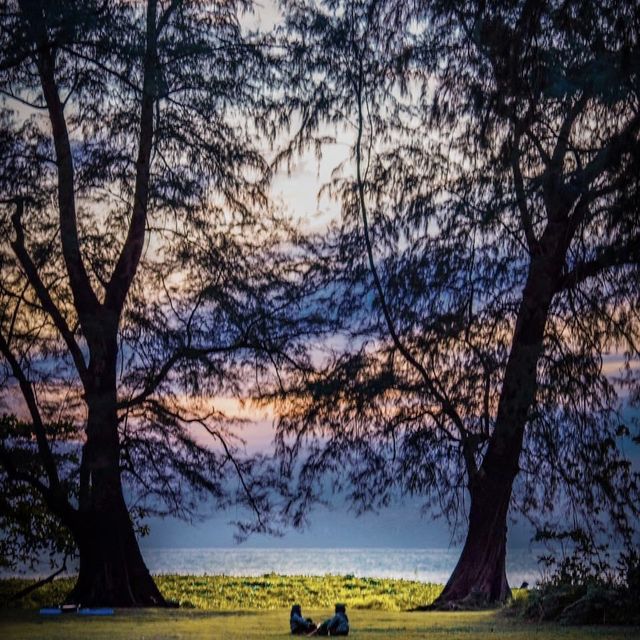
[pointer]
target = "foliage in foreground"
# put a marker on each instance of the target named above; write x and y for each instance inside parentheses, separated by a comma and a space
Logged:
(580, 592)
(269, 591)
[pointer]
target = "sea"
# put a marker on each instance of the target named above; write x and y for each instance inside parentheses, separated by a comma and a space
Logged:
(425, 565)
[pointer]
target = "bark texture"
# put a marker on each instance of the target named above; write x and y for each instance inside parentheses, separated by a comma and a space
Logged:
(480, 576)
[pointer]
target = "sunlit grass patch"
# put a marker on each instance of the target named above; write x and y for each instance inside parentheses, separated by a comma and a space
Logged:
(273, 591)
(270, 591)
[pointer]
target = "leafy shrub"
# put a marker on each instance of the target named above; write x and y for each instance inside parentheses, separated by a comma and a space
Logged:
(585, 589)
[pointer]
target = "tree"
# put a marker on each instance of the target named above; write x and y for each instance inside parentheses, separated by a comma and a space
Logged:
(29, 530)
(143, 273)
(491, 210)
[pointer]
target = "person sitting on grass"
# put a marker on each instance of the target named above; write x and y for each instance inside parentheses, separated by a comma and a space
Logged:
(299, 625)
(336, 626)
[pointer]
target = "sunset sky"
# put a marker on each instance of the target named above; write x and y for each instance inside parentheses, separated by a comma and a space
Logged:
(402, 524)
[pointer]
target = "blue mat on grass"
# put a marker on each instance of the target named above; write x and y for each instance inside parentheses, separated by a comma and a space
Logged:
(56, 611)
(95, 612)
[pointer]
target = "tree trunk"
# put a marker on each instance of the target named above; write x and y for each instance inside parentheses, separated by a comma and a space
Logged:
(112, 570)
(480, 575)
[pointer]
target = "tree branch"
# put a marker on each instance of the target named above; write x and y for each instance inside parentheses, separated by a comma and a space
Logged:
(41, 437)
(446, 404)
(47, 302)
(607, 258)
(609, 155)
(521, 201)
(37, 585)
(20, 476)
(560, 150)
(84, 296)
(239, 473)
(228, 453)
(165, 17)
(184, 353)
(129, 258)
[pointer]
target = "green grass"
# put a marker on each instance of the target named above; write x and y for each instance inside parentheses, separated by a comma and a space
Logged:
(254, 625)
(266, 592)
(215, 607)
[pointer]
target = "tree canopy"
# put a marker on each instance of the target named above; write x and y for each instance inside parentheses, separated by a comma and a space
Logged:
(487, 262)
(145, 275)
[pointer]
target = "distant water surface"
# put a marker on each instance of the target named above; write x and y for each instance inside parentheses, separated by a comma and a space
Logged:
(427, 565)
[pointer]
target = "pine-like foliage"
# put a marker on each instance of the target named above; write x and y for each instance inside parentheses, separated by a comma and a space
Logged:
(139, 251)
(491, 195)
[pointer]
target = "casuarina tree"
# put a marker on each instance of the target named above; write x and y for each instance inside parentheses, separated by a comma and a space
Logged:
(142, 276)
(486, 263)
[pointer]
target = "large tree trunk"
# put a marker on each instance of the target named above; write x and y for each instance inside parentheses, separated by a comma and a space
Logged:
(480, 574)
(112, 570)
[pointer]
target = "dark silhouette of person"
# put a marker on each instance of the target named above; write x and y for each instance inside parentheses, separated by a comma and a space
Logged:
(336, 626)
(300, 626)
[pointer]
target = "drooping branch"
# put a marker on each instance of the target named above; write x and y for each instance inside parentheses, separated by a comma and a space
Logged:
(428, 380)
(37, 585)
(236, 466)
(31, 271)
(202, 421)
(32, 405)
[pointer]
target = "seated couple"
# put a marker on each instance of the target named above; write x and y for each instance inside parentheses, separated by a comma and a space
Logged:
(336, 626)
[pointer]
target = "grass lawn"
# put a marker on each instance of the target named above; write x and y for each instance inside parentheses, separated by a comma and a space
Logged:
(366, 624)
(215, 607)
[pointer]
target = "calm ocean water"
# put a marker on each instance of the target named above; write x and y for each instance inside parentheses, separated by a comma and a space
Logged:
(427, 565)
